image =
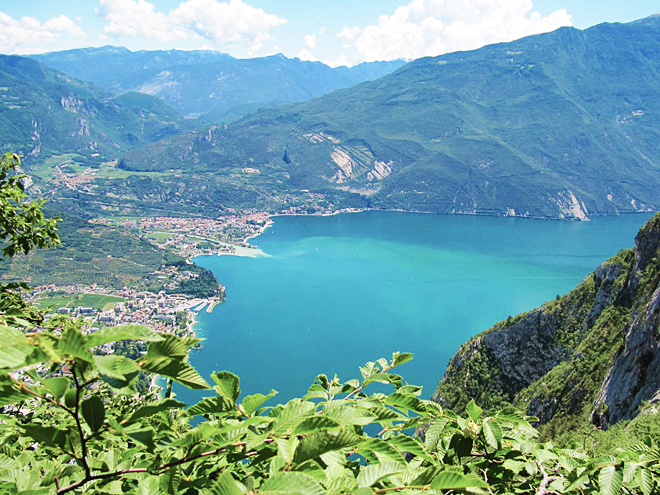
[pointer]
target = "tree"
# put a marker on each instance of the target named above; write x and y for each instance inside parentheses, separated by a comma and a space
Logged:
(23, 226)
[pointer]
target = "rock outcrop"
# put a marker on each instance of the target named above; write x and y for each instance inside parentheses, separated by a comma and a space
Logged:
(592, 354)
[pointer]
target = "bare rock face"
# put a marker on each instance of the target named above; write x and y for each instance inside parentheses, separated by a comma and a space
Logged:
(635, 373)
(596, 349)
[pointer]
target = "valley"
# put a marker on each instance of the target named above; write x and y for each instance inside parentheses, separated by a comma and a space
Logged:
(170, 215)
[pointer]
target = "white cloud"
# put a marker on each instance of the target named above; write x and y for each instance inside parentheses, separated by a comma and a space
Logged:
(221, 23)
(28, 35)
(341, 60)
(349, 33)
(322, 30)
(310, 41)
(306, 54)
(432, 27)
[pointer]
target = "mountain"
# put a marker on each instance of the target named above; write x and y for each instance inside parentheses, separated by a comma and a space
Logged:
(591, 356)
(44, 114)
(211, 83)
(558, 125)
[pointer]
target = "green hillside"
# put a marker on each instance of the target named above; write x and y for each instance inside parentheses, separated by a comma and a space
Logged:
(587, 359)
(44, 113)
(563, 124)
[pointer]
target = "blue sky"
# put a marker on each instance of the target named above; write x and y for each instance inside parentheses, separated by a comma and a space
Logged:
(336, 32)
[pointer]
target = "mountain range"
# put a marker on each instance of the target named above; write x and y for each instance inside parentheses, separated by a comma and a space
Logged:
(558, 125)
(45, 113)
(211, 83)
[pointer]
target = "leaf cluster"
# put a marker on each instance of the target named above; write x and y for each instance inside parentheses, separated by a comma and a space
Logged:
(72, 422)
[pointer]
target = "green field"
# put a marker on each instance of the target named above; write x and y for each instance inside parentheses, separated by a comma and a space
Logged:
(98, 301)
(159, 235)
(72, 163)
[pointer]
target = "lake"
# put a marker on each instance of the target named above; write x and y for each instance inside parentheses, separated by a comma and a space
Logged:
(335, 292)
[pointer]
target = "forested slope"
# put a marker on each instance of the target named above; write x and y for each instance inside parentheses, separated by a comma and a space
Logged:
(563, 124)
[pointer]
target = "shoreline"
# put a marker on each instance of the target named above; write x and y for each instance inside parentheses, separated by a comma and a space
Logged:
(241, 250)
(458, 213)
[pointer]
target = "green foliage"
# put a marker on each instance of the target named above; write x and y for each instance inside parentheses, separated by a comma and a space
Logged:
(203, 284)
(23, 225)
(73, 421)
(100, 437)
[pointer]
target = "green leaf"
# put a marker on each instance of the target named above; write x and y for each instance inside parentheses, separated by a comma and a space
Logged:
(117, 367)
(168, 482)
(286, 447)
(433, 434)
(512, 415)
(568, 463)
(93, 412)
(170, 346)
(629, 471)
(474, 411)
(610, 480)
(492, 433)
(545, 455)
(384, 413)
(142, 435)
(404, 402)
(291, 415)
(401, 358)
(11, 392)
(11, 336)
(155, 407)
(211, 405)
(409, 444)
(16, 356)
(350, 415)
(377, 377)
(515, 466)
(56, 386)
(292, 482)
(381, 447)
(124, 332)
(251, 403)
(316, 423)
(47, 434)
(227, 385)
(645, 480)
(225, 485)
(452, 480)
(315, 444)
(73, 344)
(7, 462)
(149, 486)
(70, 398)
(179, 371)
(373, 473)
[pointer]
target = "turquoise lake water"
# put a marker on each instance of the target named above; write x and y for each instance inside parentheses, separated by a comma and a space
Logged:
(335, 292)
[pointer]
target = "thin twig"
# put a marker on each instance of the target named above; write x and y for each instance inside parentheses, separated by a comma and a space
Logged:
(103, 476)
(81, 433)
(543, 488)
(400, 488)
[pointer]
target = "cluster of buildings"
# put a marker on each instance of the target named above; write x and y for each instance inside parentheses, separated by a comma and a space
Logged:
(194, 236)
(160, 311)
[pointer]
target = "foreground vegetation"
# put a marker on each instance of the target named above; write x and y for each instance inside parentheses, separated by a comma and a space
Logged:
(74, 420)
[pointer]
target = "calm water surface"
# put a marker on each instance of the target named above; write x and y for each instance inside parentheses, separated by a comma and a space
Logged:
(338, 291)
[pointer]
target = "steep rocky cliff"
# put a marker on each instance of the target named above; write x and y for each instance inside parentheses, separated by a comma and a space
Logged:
(591, 355)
